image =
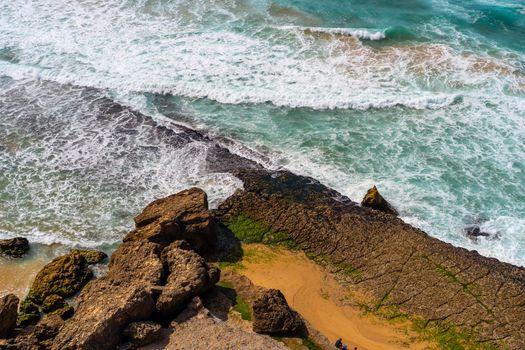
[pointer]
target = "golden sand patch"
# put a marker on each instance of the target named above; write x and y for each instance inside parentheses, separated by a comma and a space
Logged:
(315, 294)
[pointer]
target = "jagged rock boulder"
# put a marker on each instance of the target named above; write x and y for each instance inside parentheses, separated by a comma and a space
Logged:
(63, 276)
(374, 200)
(142, 333)
(183, 215)
(92, 256)
(272, 315)
(107, 305)
(15, 247)
(102, 313)
(189, 275)
(8, 312)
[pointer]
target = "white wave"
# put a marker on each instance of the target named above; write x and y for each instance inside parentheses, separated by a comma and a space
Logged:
(126, 49)
(363, 34)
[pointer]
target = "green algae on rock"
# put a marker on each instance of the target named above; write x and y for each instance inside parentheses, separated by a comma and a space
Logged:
(63, 276)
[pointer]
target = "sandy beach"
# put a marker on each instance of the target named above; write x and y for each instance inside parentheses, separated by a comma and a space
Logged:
(313, 293)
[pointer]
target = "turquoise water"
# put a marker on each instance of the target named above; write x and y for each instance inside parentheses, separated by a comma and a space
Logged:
(426, 99)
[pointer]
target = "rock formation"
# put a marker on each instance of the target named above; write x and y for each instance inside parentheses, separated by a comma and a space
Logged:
(8, 310)
(374, 200)
(376, 253)
(152, 275)
(63, 277)
(272, 315)
(183, 216)
(15, 247)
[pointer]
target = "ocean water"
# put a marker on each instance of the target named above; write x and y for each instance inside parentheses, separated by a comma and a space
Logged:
(425, 99)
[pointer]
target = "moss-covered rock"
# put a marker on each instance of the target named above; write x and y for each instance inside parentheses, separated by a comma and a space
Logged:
(28, 313)
(64, 276)
(92, 256)
(52, 303)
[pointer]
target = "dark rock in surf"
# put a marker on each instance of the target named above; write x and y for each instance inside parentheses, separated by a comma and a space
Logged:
(474, 232)
(8, 313)
(272, 315)
(374, 200)
(15, 247)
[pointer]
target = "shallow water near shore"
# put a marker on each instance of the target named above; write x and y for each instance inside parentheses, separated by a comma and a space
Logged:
(425, 99)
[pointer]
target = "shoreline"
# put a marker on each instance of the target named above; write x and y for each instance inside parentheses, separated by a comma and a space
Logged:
(403, 267)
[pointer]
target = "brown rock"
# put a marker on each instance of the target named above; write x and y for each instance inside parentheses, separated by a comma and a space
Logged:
(183, 215)
(102, 313)
(374, 200)
(189, 275)
(15, 247)
(8, 313)
(272, 315)
(107, 305)
(136, 261)
(142, 333)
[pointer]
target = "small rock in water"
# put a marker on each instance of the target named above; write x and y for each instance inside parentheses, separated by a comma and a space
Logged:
(15, 247)
(374, 200)
(8, 312)
(272, 315)
(474, 231)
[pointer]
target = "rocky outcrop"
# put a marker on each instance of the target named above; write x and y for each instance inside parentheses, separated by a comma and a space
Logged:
(373, 199)
(15, 247)
(152, 275)
(182, 216)
(102, 313)
(272, 315)
(380, 255)
(105, 306)
(8, 312)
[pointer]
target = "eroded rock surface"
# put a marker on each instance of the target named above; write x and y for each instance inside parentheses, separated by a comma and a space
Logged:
(272, 315)
(189, 275)
(381, 255)
(8, 312)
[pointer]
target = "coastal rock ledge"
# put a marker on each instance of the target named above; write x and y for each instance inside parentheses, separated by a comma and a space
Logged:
(402, 267)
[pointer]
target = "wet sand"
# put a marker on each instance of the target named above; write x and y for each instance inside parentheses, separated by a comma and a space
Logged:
(16, 275)
(318, 298)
